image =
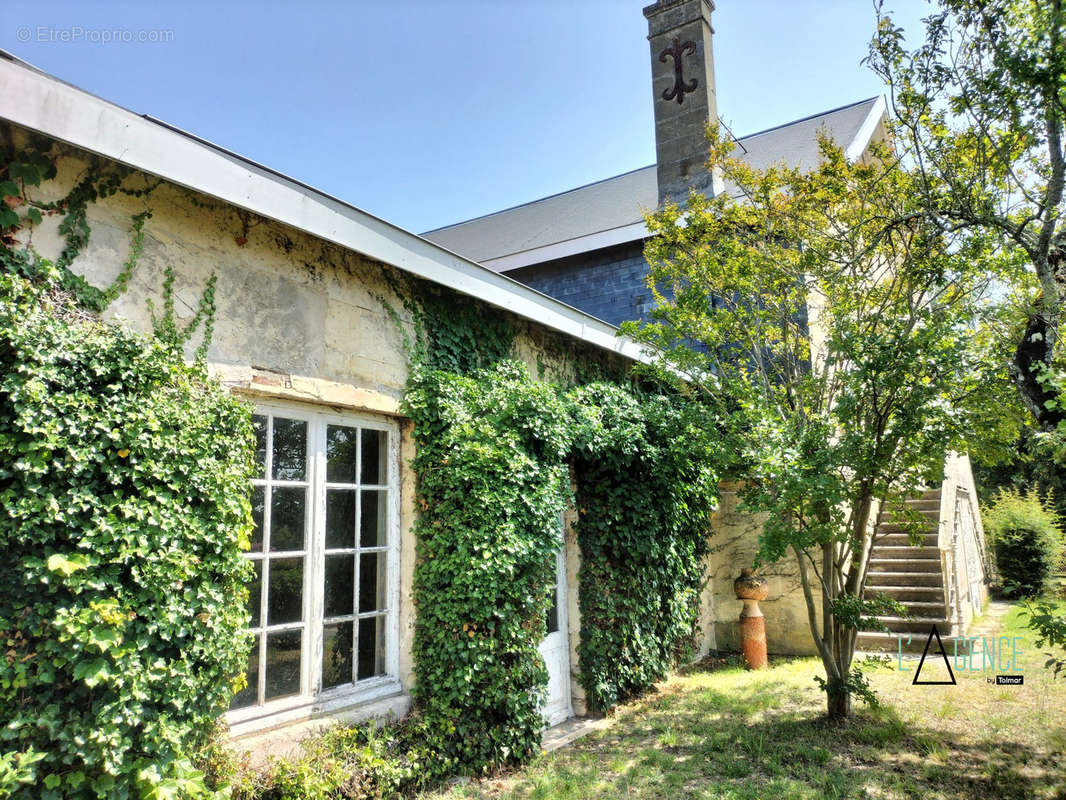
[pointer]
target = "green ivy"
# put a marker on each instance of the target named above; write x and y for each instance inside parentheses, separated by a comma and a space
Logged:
(123, 489)
(123, 509)
(493, 480)
(25, 168)
(494, 451)
(647, 483)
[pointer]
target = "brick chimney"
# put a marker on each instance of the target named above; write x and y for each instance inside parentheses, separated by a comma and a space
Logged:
(682, 73)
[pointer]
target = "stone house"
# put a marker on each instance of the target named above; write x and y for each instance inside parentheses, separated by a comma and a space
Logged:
(305, 330)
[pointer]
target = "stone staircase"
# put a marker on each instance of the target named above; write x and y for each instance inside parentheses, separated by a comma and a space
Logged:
(911, 574)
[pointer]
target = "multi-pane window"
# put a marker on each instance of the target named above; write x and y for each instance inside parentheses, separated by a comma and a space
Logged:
(322, 600)
(356, 553)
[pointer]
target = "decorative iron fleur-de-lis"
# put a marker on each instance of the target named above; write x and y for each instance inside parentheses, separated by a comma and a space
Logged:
(680, 87)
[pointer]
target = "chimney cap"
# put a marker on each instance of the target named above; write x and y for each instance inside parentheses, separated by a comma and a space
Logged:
(664, 5)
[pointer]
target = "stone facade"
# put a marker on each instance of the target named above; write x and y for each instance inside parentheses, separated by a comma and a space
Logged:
(682, 79)
(304, 322)
(734, 543)
(299, 321)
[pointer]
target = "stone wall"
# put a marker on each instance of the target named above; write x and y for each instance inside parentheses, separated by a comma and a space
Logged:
(734, 543)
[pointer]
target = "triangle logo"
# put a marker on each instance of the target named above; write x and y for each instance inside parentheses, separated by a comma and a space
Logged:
(934, 632)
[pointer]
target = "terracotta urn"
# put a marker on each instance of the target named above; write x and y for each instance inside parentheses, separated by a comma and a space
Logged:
(751, 588)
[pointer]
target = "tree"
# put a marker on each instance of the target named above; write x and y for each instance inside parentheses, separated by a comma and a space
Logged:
(838, 348)
(980, 115)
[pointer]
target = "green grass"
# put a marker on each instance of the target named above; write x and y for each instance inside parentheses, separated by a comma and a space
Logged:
(720, 731)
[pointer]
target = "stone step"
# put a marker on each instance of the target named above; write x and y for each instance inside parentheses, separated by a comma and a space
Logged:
(924, 608)
(898, 578)
(905, 593)
(932, 504)
(915, 625)
(886, 529)
(879, 642)
(903, 540)
(919, 515)
(923, 565)
(906, 551)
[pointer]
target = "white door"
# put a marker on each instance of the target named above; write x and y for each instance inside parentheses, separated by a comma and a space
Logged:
(555, 649)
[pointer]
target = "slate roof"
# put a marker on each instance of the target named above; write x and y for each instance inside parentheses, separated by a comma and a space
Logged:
(620, 201)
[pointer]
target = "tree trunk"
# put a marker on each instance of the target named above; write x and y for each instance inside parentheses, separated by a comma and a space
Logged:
(839, 704)
(1035, 352)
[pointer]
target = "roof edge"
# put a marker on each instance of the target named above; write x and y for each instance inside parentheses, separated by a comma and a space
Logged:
(739, 139)
(809, 117)
(866, 131)
(38, 101)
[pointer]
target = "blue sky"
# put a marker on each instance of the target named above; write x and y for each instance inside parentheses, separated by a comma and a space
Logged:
(427, 112)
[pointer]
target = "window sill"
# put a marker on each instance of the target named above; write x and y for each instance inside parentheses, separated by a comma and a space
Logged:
(338, 704)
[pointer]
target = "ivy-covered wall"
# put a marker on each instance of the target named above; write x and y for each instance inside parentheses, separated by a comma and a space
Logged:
(497, 449)
(296, 319)
(505, 415)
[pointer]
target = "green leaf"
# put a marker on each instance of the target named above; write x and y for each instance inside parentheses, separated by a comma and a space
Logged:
(92, 672)
(27, 172)
(105, 638)
(34, 215)
(68, 566)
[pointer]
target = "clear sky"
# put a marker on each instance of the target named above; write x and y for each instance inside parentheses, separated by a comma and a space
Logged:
(427, 112)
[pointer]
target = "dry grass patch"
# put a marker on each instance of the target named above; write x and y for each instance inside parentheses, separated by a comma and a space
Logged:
(720, 731)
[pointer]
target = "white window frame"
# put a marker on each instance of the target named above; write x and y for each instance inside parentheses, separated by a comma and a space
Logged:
(312, 700)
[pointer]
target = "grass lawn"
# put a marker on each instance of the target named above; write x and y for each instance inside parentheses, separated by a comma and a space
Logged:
(720, 731)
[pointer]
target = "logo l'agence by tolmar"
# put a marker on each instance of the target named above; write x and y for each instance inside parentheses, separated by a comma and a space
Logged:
(986, 654)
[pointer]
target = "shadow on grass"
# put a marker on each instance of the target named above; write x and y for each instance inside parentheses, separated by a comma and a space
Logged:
(765, 738)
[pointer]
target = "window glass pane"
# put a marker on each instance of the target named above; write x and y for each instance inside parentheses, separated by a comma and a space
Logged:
(341, 447)
(287, 518)
(375, 451)
(259, 425)
(371, 647)
(282, 664)
(372, 527)
(340, 585)
(255, 594)
(553, 611)
(337, 647)
(290, 449)
(258, 501)
(340, 518)
(285, 593)
(371, 582)
(249, 695)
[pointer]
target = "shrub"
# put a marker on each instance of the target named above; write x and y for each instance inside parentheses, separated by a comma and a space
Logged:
(123, 510)
(343, 763)
(1026, 541)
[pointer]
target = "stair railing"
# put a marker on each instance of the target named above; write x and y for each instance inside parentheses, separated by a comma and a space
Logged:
(947, 541)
